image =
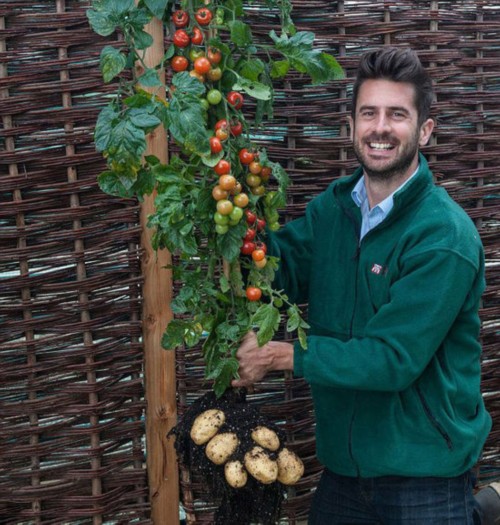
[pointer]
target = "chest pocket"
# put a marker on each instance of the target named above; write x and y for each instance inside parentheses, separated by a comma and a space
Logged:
(378, 284)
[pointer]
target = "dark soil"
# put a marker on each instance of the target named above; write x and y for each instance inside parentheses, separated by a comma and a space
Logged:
(253, 503)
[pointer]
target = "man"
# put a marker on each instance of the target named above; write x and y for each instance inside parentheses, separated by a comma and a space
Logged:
(393, 272)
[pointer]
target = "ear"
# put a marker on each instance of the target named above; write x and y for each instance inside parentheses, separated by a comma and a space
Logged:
(351, 127)
(426, 131)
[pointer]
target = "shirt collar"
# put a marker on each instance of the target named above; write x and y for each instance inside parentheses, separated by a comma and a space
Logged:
(359, 195)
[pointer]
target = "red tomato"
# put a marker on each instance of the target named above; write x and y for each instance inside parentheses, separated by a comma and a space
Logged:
(214, 55)
(236, 128)
(261, 224)
(247, 248)
(258, 254)
(246, 156)
(203, 16)
(215, 145)
(235, 99)
(181, 38)
(261, 246)
(179, 63)
(250, 234)
(180, 18)
(197, 38)
(221, 124)
(222, 167)
(265, 173)
(202, 65)
(251, 217)
(253, 293)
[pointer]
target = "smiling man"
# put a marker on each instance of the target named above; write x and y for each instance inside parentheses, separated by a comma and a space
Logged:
(393, 271)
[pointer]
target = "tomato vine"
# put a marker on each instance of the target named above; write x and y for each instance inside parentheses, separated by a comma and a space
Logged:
(218, 197)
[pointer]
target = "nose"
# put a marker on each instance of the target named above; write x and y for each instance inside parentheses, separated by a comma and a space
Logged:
(382, 124)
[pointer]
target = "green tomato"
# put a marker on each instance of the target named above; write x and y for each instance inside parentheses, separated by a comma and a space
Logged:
(236, 214)
(220, 219)
(196, 53)
(214, 96)
(272, 216)
(221, 229)
(205, 103)
(274, 226)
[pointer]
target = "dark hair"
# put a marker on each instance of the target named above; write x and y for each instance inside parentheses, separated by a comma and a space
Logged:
(398, 65)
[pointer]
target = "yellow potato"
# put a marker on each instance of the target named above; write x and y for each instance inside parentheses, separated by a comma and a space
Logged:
(206, 425)
(265, 437)
(235, 474)
(290, 467)
(261, 466)
(221, 447)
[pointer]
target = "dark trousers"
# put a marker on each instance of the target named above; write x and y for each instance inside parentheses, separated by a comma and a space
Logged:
(394, 500)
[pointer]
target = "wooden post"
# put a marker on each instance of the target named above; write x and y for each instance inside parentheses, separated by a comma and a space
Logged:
(160, 384)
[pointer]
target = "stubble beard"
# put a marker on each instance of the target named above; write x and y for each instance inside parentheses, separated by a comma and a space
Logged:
(396, 169)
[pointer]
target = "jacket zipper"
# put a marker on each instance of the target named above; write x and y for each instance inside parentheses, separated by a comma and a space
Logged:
(434, 422)
(356, 228)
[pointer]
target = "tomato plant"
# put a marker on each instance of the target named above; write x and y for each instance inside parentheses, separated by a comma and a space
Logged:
(214, 197)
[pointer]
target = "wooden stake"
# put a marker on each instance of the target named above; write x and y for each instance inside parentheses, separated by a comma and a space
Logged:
(160, 383)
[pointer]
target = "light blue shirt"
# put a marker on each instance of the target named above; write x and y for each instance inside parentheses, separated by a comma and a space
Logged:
(373, 217)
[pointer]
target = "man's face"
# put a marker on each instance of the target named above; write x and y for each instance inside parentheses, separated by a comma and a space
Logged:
(385, 130)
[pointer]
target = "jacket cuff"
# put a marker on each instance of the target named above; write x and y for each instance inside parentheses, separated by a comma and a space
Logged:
(298, 360)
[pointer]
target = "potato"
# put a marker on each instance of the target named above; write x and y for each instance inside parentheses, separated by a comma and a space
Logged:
(221, 447)
(235, 474)
(206, 425)
(290, 467)
(266, 438)
(261, 466)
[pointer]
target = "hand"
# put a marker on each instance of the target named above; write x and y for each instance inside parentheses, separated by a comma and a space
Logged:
(255, 361)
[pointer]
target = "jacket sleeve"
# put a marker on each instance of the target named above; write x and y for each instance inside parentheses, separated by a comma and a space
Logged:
(293, 245)
(436, 290)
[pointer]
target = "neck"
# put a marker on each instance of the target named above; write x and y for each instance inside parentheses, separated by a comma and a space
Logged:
(379, 188)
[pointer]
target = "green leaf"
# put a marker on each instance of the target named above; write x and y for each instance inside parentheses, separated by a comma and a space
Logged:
(174, 334)
(142, 40)
(280, 68)
(157, 7)
(251, 69)
(298, 50)
(112, 63)
(100, 23)
(267, 319)
(117, 184)
(293, 321)
(224, 284)
(145, 183)
(229, 244)
(241, 35)
(302, 338)
(223, 374)
(104, 125)
(150, 78)
(145, 121)
(254, 89)
(185, 83)
(212, 159)
(127, 140)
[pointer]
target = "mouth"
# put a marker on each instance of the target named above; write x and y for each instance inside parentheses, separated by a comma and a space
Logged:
(381, 146)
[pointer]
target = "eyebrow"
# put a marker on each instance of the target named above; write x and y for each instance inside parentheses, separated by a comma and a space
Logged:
(402, 109)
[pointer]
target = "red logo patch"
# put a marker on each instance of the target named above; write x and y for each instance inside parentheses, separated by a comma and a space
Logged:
(377, 269)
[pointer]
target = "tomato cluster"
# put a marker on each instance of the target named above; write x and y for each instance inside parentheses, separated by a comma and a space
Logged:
(240, 173)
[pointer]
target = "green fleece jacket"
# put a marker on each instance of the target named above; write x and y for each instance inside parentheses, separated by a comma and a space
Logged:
(393, 357)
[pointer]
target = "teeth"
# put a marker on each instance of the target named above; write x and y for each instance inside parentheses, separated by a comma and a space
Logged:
(380, 145)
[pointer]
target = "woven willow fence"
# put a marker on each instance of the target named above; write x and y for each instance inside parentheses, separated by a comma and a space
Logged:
(71, 385)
